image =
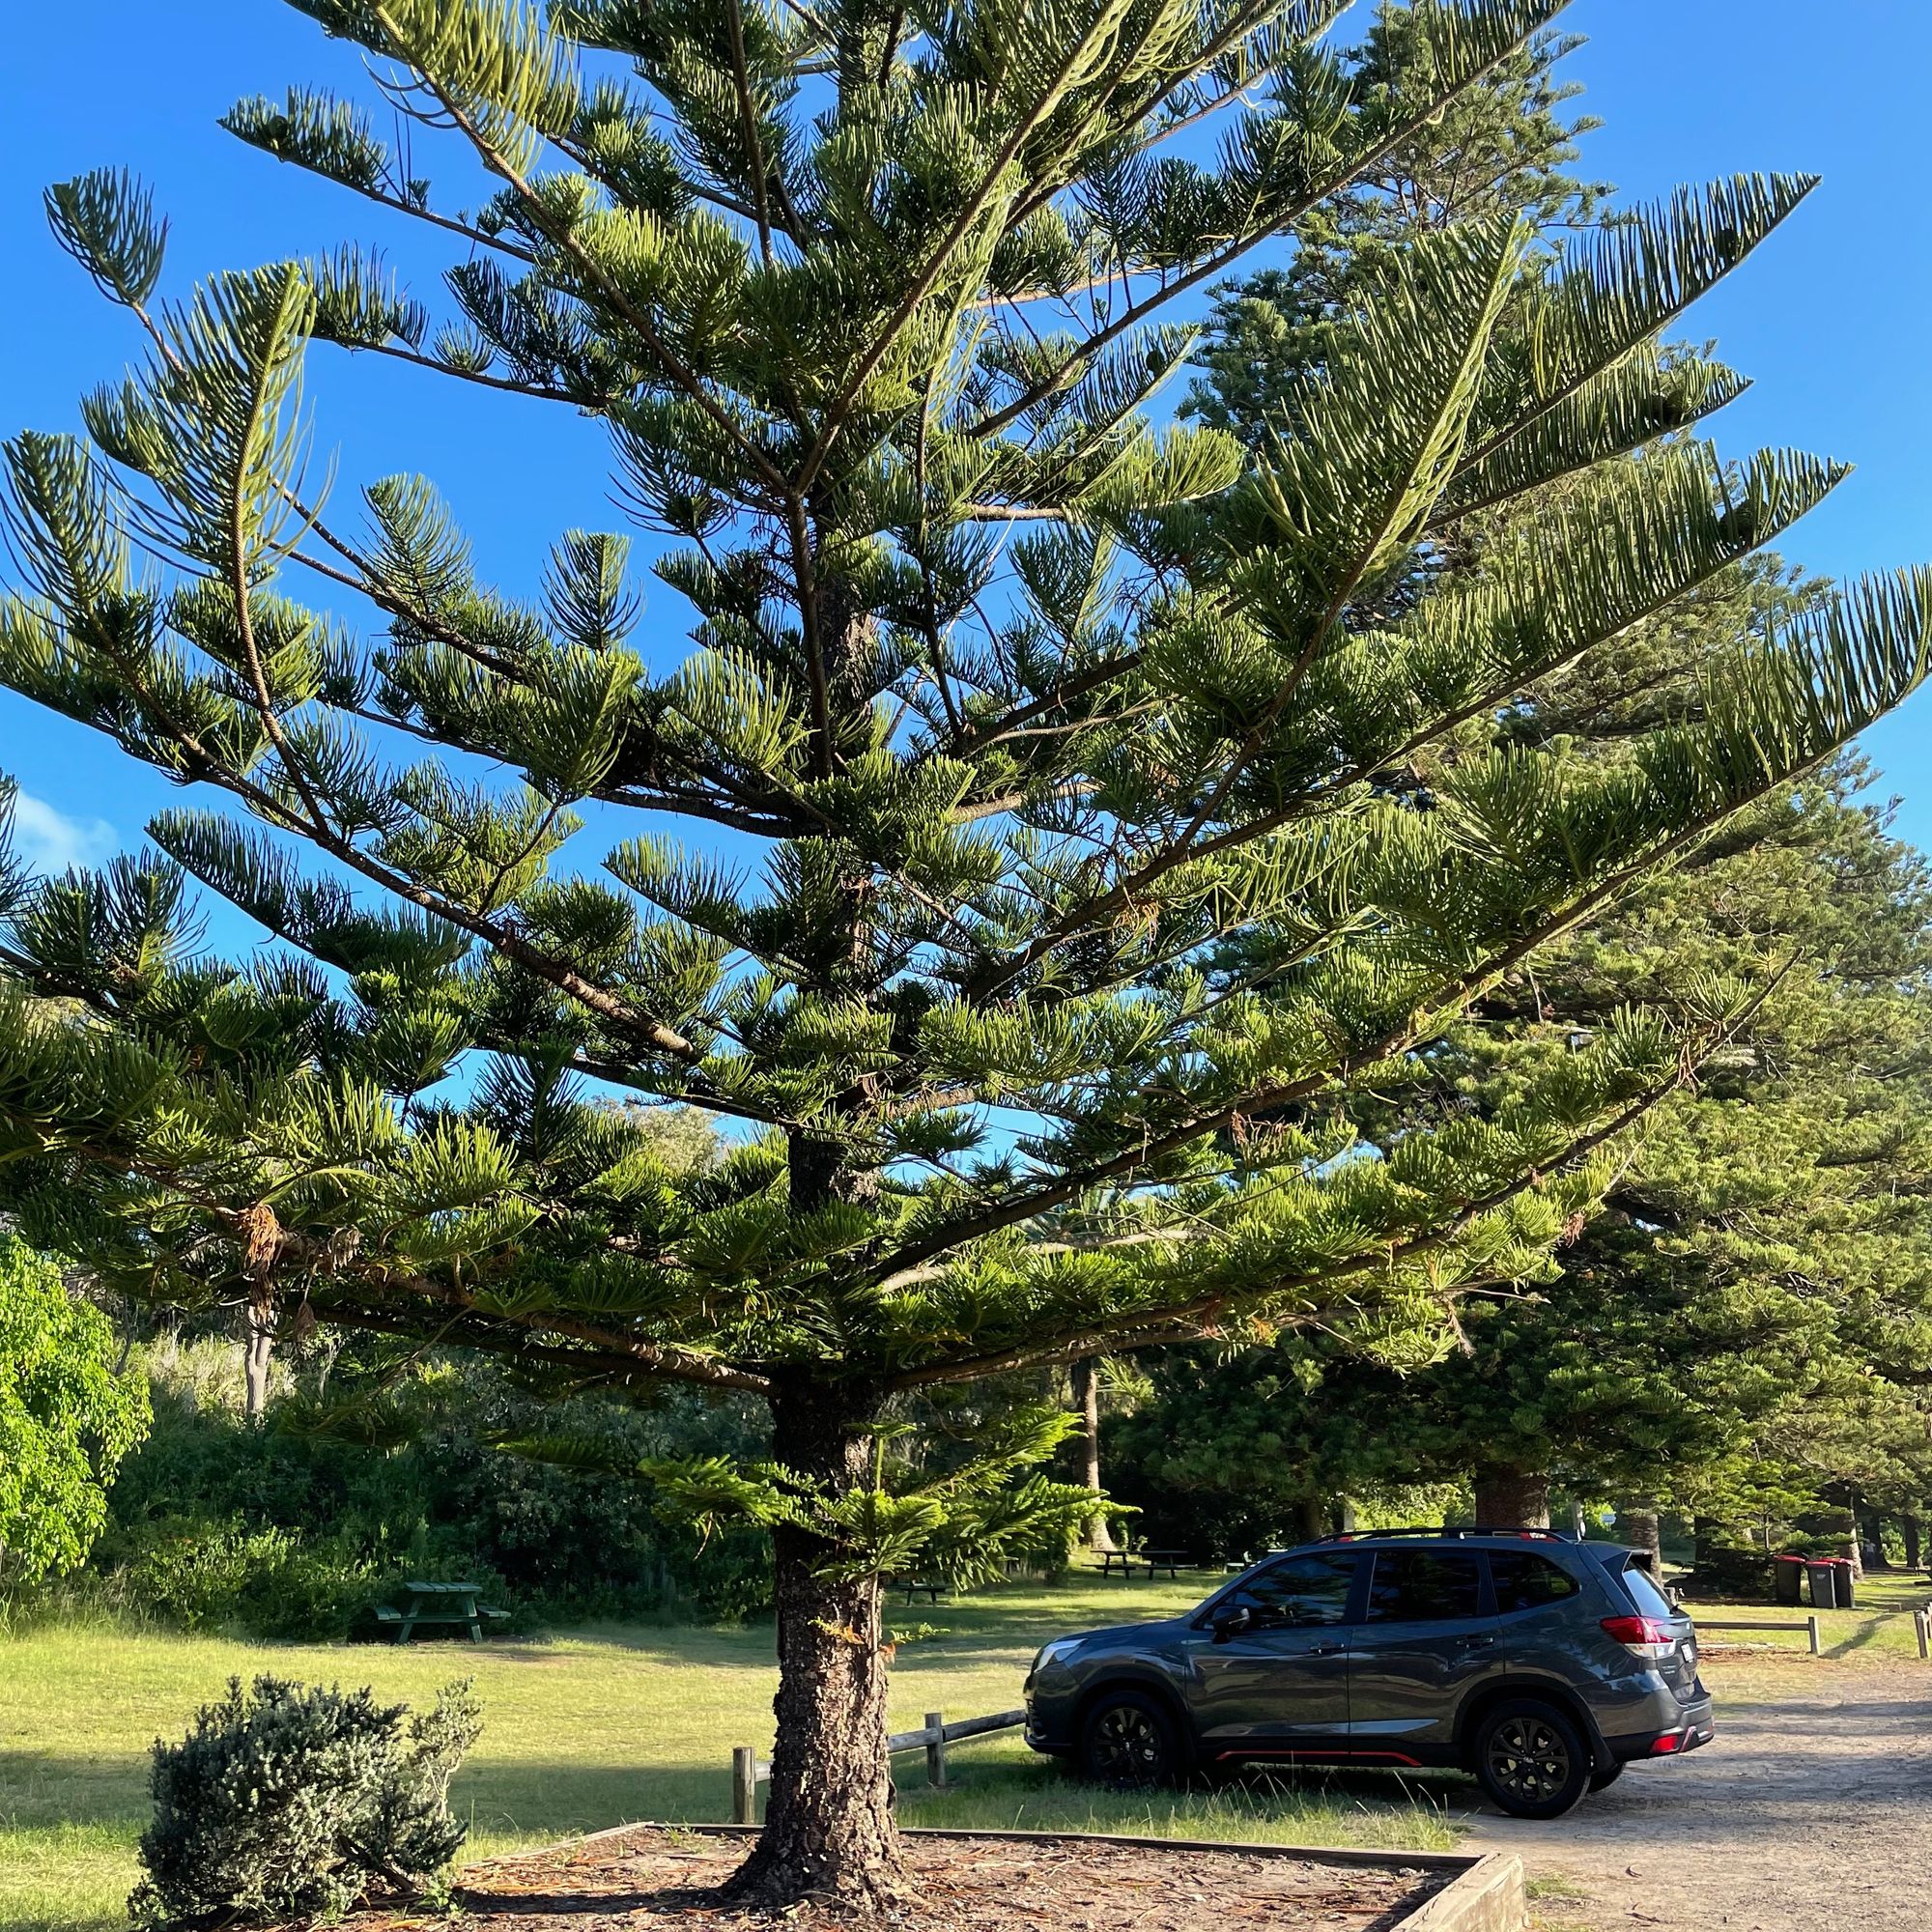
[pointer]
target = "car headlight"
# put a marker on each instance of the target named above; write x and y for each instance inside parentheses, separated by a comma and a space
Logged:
(1061, 1646)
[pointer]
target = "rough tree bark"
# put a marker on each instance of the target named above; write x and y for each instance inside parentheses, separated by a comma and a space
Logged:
(1512, 1498)
(266, 1236)
(1907, 1534)
(1086, 1378)
(1841, 1526)
(1639, 1525)
(830, 1833)
(258, 1347)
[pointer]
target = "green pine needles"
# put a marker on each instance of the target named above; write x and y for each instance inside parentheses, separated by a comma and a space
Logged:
(1079, 867)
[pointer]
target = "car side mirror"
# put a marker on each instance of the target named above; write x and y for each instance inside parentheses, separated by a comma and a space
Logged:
(1232, 1622)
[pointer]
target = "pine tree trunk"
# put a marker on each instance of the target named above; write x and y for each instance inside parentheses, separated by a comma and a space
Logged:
(1637, 1524)
(258, 1347)
(1512, 1498)
(1086, 1379)
(1874, 1543)
(830, 1834)
(1840, 1524)
(1907, 1534)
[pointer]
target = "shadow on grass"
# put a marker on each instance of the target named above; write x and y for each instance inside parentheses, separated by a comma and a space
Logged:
(42, 1793)
(1267, 1806)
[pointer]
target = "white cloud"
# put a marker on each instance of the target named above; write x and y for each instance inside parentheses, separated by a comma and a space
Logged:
(51, 841)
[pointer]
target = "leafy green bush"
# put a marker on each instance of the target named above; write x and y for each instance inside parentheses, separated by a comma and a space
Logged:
(306, 1591)
(190, 1573)
(291, 1531)
(289, 1801)
(67, 1416)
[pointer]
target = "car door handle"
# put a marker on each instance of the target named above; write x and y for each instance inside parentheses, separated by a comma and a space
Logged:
(1324, 1650)
(1477, 1642)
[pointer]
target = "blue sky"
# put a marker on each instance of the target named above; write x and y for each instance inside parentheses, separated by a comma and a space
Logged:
(1828, 317)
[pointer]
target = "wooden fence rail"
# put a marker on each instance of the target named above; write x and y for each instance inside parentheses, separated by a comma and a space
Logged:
(1808, 1626)
(749, 1770)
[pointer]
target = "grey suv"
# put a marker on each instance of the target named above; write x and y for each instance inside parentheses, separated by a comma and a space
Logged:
(1539, 1663)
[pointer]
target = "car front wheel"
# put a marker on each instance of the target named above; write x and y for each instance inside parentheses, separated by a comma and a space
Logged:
(1531, 1759)
(1130, 1742)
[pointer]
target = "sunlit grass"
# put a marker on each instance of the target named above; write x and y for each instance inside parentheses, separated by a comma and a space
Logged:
(591, 1728)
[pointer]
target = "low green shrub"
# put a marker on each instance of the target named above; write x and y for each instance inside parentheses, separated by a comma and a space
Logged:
(291, 1532)
(190, 1572)
(290, 1801)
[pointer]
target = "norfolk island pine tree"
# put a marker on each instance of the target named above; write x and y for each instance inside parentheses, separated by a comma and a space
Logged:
(1036, 706)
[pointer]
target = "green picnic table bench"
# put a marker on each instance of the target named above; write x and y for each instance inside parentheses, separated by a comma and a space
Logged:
(439, 1604)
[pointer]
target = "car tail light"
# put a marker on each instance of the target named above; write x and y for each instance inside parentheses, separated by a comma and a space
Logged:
(1644, 1637)
(1663, 1746)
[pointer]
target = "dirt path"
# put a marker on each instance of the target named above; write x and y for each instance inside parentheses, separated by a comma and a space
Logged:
(1813, 1806)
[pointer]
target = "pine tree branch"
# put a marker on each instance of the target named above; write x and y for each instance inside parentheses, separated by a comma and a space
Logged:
(607, 1360)
(1152, 1147)
(674, 365)
(660, 1361)
(1083, 920)
(936, 263)
(1239, 26)
(1212, 265)
(382, 197)
(990, 731)
(545, 392)
(1193, 1320)
(749, 118)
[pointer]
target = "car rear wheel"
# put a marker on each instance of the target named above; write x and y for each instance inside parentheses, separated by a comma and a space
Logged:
(1531, 1758)
(1130, 1742)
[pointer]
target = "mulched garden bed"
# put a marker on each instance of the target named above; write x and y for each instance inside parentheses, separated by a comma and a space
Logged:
(665, 1876)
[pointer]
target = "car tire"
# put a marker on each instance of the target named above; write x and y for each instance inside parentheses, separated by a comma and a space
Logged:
(1531, 1759)
(1602, 1780)
(1129, 1742)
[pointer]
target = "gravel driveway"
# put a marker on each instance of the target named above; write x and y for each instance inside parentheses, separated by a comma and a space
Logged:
(1812, 1805)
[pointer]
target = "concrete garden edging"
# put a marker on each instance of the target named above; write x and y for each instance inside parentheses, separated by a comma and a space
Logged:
(1487, 1896)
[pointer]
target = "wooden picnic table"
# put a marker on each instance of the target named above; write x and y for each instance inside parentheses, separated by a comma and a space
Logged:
(439, 1604)
(1173, 1561)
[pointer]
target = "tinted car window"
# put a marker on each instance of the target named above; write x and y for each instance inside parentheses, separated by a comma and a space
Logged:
(1644, 1594)
(1523, 1581)
(1422, 1586)
(1297, 1591)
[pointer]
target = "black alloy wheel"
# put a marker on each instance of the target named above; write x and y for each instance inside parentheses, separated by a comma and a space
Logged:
(1531, 1759)
(1129, 1742)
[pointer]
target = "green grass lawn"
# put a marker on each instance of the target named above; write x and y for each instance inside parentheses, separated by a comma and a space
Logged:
(593, 1728)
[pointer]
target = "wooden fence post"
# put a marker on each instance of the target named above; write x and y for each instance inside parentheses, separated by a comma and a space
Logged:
(744, 1785)
(1921, 1628)
(935, 1749)
(1811, 1623)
